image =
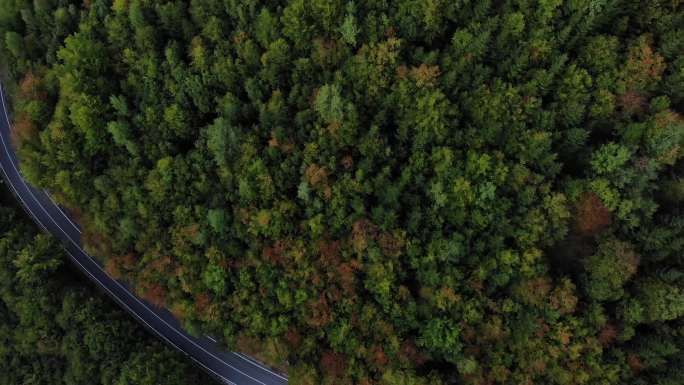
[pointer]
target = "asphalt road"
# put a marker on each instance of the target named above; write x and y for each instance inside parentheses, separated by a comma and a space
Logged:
(229, 367)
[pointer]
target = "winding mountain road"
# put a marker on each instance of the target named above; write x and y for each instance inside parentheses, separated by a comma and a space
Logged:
(228, 367)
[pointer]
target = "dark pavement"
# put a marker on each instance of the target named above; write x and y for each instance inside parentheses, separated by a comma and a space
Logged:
(229, 367)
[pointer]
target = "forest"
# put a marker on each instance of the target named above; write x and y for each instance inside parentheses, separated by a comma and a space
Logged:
(55, 329)
(375, 192)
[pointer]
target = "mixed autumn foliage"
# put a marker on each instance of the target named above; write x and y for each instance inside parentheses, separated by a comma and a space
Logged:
(57, 329)
(407, 192)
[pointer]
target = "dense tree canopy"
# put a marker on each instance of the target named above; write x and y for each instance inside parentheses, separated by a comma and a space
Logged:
(376, 192)
(55, 329)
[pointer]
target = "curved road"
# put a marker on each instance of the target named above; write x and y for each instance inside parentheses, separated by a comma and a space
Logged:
(228, 367)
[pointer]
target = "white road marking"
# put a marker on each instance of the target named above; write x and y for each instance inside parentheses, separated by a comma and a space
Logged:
(75, 226)
(23, 204)
(9, 125)
(2, 98)
(119, 300)
(258, 364)
(15, 167)
(122, 303)
(211, 339)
